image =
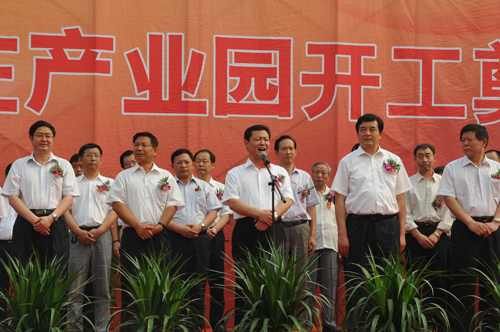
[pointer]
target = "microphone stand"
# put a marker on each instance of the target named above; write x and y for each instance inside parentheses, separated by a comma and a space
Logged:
(273, 184)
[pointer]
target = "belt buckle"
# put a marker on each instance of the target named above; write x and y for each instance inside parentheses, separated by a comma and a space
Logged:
(483, 219)
(373, 218)
(39, 212)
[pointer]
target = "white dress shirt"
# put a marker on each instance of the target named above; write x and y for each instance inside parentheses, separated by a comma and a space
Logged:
(301, 180)
(140, 193)
(369, 188)
(7, 223)
(37, 187)
(3, 206)
(219, 187)
(419, 203)
(90, 208)
(251, 186)
(472, 186)
(200, 200)
(326, 224)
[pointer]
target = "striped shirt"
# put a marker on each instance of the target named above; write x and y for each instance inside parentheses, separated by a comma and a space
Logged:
(472, 186)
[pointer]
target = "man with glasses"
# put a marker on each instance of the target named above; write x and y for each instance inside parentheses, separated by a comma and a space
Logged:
(127, 159)
(145, 197)
(41, 188)
(89, 219)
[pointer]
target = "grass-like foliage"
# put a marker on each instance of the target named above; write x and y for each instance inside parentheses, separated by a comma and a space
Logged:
(161, 296)
(272, 291)
(392, 299)
(39, 297)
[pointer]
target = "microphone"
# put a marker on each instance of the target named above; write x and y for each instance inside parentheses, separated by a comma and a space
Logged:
(264, 158)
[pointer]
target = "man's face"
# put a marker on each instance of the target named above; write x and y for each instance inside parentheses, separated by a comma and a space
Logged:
(42, 140)
(91, 160)
(369, 135)
(129, 162)
(493, 156)
(144, 152)
(258, 143)
(203, 164)
(286, 152)
(425, 160)
(320, 176)
(77, 167)
(471, 146)
(183, 166)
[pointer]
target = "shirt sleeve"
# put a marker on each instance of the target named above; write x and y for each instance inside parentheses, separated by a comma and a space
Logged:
(3, 207)
(175, 197)
(410, 221)
(231, 189)
(446, 187)
(341, 180)
(70, 185)
(117, 192)
(211, 199)
(403, 183)
(312, 198)
(446, 220)
(286, 190)
(12, 185)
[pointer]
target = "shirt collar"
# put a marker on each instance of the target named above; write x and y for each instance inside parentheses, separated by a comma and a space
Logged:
(466, 161)
(82, 177)
(420, 177)
(193, 178)
(137, 166)
(211, 182)
(32, 157)
(359, 151)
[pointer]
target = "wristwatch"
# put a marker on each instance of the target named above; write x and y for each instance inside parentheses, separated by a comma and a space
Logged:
(203, 228)
(54, 216)
(496, 219)
(276, 215)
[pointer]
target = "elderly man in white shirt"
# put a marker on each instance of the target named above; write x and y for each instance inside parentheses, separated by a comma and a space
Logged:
(248, 194)
(145, 197)
(325, 267)
(369, 200)
(41, 188)
(89, 219)
(471, 188)
(204, 162)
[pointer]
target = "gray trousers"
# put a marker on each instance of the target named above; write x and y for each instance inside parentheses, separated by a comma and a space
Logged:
(297, 238)
(324, 271)
(98, 255)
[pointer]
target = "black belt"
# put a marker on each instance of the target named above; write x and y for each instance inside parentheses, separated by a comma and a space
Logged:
(483, 219)
(6, 242)
(42, 212)
(88, 228)
(374, 217)
(252, 220)
(432, 224)
(294, 222)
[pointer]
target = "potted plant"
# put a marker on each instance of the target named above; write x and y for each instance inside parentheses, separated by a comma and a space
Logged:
(160, 296)
(39, 297)
(392, 299)
(272, 290)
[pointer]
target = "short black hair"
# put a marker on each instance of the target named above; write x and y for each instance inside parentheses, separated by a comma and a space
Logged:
(178, 152)
(277, 143)
(439, 169)
(39, 124)
(89, 146)
(369, 118)
(7, 169)
(74, 158)
(480, 131)
(154, 140)
(355, 147)
(424, 146)
(125, 154)
(250, 130)
(212, 156)
(495, 151)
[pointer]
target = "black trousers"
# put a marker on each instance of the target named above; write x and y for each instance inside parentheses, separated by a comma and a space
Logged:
(134, 246)
(216, 279)
(25, 240)
(418, 256)
(5, 251)
(246, 238)
(194, 258)
(381, 237)
(471, 251)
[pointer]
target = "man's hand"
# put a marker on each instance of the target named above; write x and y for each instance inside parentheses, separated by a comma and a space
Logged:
(260, 225)
(116, 249)
(424, 241)
(479, 229)
(344, 245)
(188, 232)
(265, 216)
(492, 227)
(402, 243)
(96, 233)
(212, 233)
(144, 231)
(43, 225)
(85, 237)
(311, 244)
(195, 227)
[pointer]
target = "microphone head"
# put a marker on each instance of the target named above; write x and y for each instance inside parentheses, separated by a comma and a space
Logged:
(263, 154)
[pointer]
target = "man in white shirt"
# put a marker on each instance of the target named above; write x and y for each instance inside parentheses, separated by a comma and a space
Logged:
(325, 268)
(369, 200)
(89, 219)
(300, 220)
(204, 162)
(41, 188)
(471, 188)
(76, 163)
(5, 248)
(248, 194)
(145, 197)
(188, 229)
(427, 219)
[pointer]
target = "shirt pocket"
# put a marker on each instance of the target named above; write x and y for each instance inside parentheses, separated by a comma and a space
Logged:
(56, 186)
(495, 187)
